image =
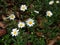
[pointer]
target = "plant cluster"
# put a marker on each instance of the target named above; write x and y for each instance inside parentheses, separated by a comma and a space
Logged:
(29, 22)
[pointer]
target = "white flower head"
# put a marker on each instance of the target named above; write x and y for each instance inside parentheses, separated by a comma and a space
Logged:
(36, 11)
(21, 24)
(14, 32)
(57, 1)
(30, 22)
(12, 17)
(49, 13)
(23, 7)
(51, 2)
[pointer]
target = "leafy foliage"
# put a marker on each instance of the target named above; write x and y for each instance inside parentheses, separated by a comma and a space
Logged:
(48, 26)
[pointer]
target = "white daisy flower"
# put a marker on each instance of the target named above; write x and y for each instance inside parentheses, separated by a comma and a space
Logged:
(12, 17)
(30, 22)
(23, 7)
(49, 13)
(57, 1)
(21, 24)
(36, 11)
(14, 32)
(51, 2)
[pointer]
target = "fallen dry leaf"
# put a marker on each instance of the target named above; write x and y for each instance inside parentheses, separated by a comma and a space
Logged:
(2, 25)
(29, 43)
(4, 17)
(2, 32)
(51, 42)
(39, 33)
(58, 37)
(31, 6)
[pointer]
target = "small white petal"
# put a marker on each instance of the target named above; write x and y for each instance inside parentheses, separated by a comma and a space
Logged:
(51, 2)
(36, 11)
(57, 1)
(17, 30)
(14, 29)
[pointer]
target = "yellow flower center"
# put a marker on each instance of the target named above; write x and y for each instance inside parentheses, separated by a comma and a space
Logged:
(12, 16)
(23, 7)
(14, 32)
(30, 22)
(49, 14)
(21, 24)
